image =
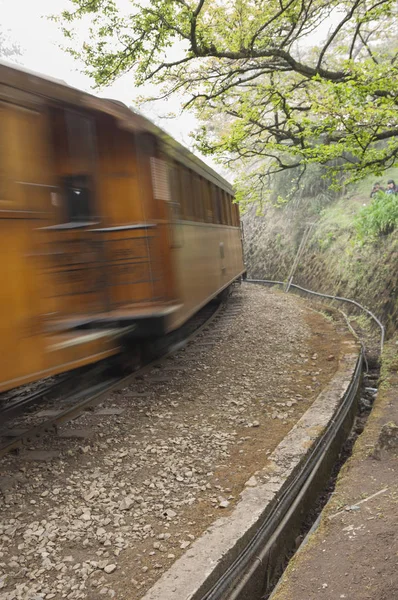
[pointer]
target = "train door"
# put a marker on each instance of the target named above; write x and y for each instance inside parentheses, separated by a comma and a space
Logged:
(175, 208)
(26, 190)
(75, 255)
(166, 212)
(134, 235)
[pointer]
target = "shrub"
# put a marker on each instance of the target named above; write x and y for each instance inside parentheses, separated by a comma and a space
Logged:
(380, 217)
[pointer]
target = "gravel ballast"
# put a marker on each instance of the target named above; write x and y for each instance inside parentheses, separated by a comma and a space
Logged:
(112, 510)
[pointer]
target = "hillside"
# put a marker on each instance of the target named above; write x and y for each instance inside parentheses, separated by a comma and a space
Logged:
(333, 262)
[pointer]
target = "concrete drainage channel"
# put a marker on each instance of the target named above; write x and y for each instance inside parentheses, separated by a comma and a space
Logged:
(240, 556)
(367, 397)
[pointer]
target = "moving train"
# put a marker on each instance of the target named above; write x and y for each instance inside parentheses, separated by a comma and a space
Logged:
(106, 224)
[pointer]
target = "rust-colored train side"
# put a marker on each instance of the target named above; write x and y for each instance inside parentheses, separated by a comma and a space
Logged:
(106, 223)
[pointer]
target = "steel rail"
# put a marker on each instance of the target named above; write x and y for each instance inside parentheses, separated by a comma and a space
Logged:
(231, 585)
(99, 392)
(19, 402)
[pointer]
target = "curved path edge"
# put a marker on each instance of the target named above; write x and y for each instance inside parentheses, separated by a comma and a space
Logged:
(195, 573)
(351, 551)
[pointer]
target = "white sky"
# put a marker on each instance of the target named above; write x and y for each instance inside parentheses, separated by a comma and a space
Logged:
(25, 22)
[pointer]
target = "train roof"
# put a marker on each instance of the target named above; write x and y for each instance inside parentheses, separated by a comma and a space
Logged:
(26, 81)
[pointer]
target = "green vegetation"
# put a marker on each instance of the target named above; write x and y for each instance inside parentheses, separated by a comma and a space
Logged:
(334, 261)
(363, 321)
(380, 217)
(389, 364)
(268, 100)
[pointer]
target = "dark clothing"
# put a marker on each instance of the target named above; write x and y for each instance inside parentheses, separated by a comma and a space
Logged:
(375, 190)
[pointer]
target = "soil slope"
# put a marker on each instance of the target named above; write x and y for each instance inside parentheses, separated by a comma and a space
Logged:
(332, 262)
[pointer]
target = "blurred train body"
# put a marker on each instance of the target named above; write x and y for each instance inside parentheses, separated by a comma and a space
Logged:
(106, 223)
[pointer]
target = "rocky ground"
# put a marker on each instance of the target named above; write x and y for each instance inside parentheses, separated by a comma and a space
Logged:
(164, 458)
(353, 552)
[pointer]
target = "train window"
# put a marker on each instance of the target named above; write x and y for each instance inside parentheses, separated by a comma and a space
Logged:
(187, 194)
(197, 197)
(217, 205)
(175, 205)
(236, 214)
(213, 200)
(227, 204)
(181, 179)
(231, 208)
(223, 203)
(208, 206)
(160, 179)
(203, 208)
(233, 211)
(77, 197)
(195, 200)
(75, 160)
(175, 191)
(178, 180)
(223, 211)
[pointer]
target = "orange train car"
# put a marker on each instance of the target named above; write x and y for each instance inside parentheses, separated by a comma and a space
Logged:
(106, 222)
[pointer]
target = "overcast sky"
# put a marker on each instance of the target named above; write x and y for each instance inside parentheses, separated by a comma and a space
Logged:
(25, 22)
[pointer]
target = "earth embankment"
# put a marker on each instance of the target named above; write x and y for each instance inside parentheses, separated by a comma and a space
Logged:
(333, 260)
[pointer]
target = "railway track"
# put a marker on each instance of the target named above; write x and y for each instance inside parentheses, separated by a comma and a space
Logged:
(22, 400)
(67, 405)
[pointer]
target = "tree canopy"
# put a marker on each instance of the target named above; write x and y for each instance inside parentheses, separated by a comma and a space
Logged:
(279, 84)
(8, 49)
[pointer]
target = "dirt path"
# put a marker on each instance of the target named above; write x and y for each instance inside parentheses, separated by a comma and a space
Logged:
(113, 511)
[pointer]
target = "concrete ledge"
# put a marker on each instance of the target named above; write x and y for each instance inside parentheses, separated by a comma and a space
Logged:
(201, 566)
(367, 482)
